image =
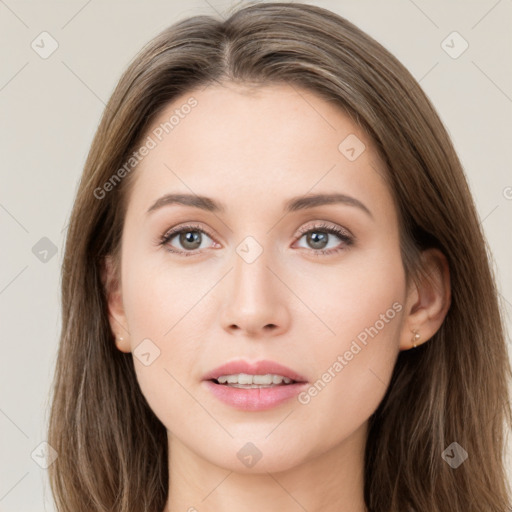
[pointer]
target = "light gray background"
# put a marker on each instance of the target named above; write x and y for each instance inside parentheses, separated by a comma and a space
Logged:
(50, 109)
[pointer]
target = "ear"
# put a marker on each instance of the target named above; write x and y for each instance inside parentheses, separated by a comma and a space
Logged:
(111, 278)
(428, 300)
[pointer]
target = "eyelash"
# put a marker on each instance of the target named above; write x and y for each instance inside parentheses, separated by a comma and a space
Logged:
(343, 235)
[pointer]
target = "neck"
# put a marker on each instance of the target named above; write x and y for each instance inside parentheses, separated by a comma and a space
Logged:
(330, 482)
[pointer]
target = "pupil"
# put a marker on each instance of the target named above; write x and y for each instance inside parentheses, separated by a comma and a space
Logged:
(318, 238)
(191, 239)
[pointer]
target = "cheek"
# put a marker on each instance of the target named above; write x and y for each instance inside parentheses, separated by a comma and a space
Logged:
(157, 297)
(355, 355)
(354, 365)
(351, 296)
(161, 305)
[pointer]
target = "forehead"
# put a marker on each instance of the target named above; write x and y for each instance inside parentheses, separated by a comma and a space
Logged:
(245, 143)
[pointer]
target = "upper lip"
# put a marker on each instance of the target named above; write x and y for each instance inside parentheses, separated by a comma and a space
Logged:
(253, 368)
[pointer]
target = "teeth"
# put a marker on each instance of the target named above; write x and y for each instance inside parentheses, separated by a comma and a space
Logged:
(258, 380)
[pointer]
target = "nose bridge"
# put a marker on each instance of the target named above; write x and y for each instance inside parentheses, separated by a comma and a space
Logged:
(254, 300)
(252, 278)
(250, 265)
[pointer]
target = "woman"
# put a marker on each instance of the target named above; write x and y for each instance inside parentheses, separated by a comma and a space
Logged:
(276, 293)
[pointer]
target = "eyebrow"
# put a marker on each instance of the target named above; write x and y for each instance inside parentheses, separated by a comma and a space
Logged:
(292, 205)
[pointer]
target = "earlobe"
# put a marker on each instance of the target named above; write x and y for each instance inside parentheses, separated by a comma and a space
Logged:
(428, 300)
(122, 344)
(112, 284)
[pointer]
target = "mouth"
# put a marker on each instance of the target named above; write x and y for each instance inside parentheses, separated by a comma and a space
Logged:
(248, 381)
(254, 386)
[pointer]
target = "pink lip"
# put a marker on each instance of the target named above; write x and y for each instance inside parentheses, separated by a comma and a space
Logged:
(254, 399)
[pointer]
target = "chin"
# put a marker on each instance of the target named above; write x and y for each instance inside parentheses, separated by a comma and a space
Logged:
(257, 456)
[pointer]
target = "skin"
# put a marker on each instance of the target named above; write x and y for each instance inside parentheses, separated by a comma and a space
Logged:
(254, 149)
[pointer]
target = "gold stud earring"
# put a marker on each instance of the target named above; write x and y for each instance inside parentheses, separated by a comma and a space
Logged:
(415, 338)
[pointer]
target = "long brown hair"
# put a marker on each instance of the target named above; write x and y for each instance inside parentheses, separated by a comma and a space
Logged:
(112, 450)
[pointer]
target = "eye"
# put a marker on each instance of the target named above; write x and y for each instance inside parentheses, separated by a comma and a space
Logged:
(319, 238)
(190, 238)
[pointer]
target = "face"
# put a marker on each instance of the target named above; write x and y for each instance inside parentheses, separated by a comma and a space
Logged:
(260, 274)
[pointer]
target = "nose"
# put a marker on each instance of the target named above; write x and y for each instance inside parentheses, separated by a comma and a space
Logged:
(255, 304)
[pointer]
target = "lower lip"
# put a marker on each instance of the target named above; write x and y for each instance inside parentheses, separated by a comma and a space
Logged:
(254, 399)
